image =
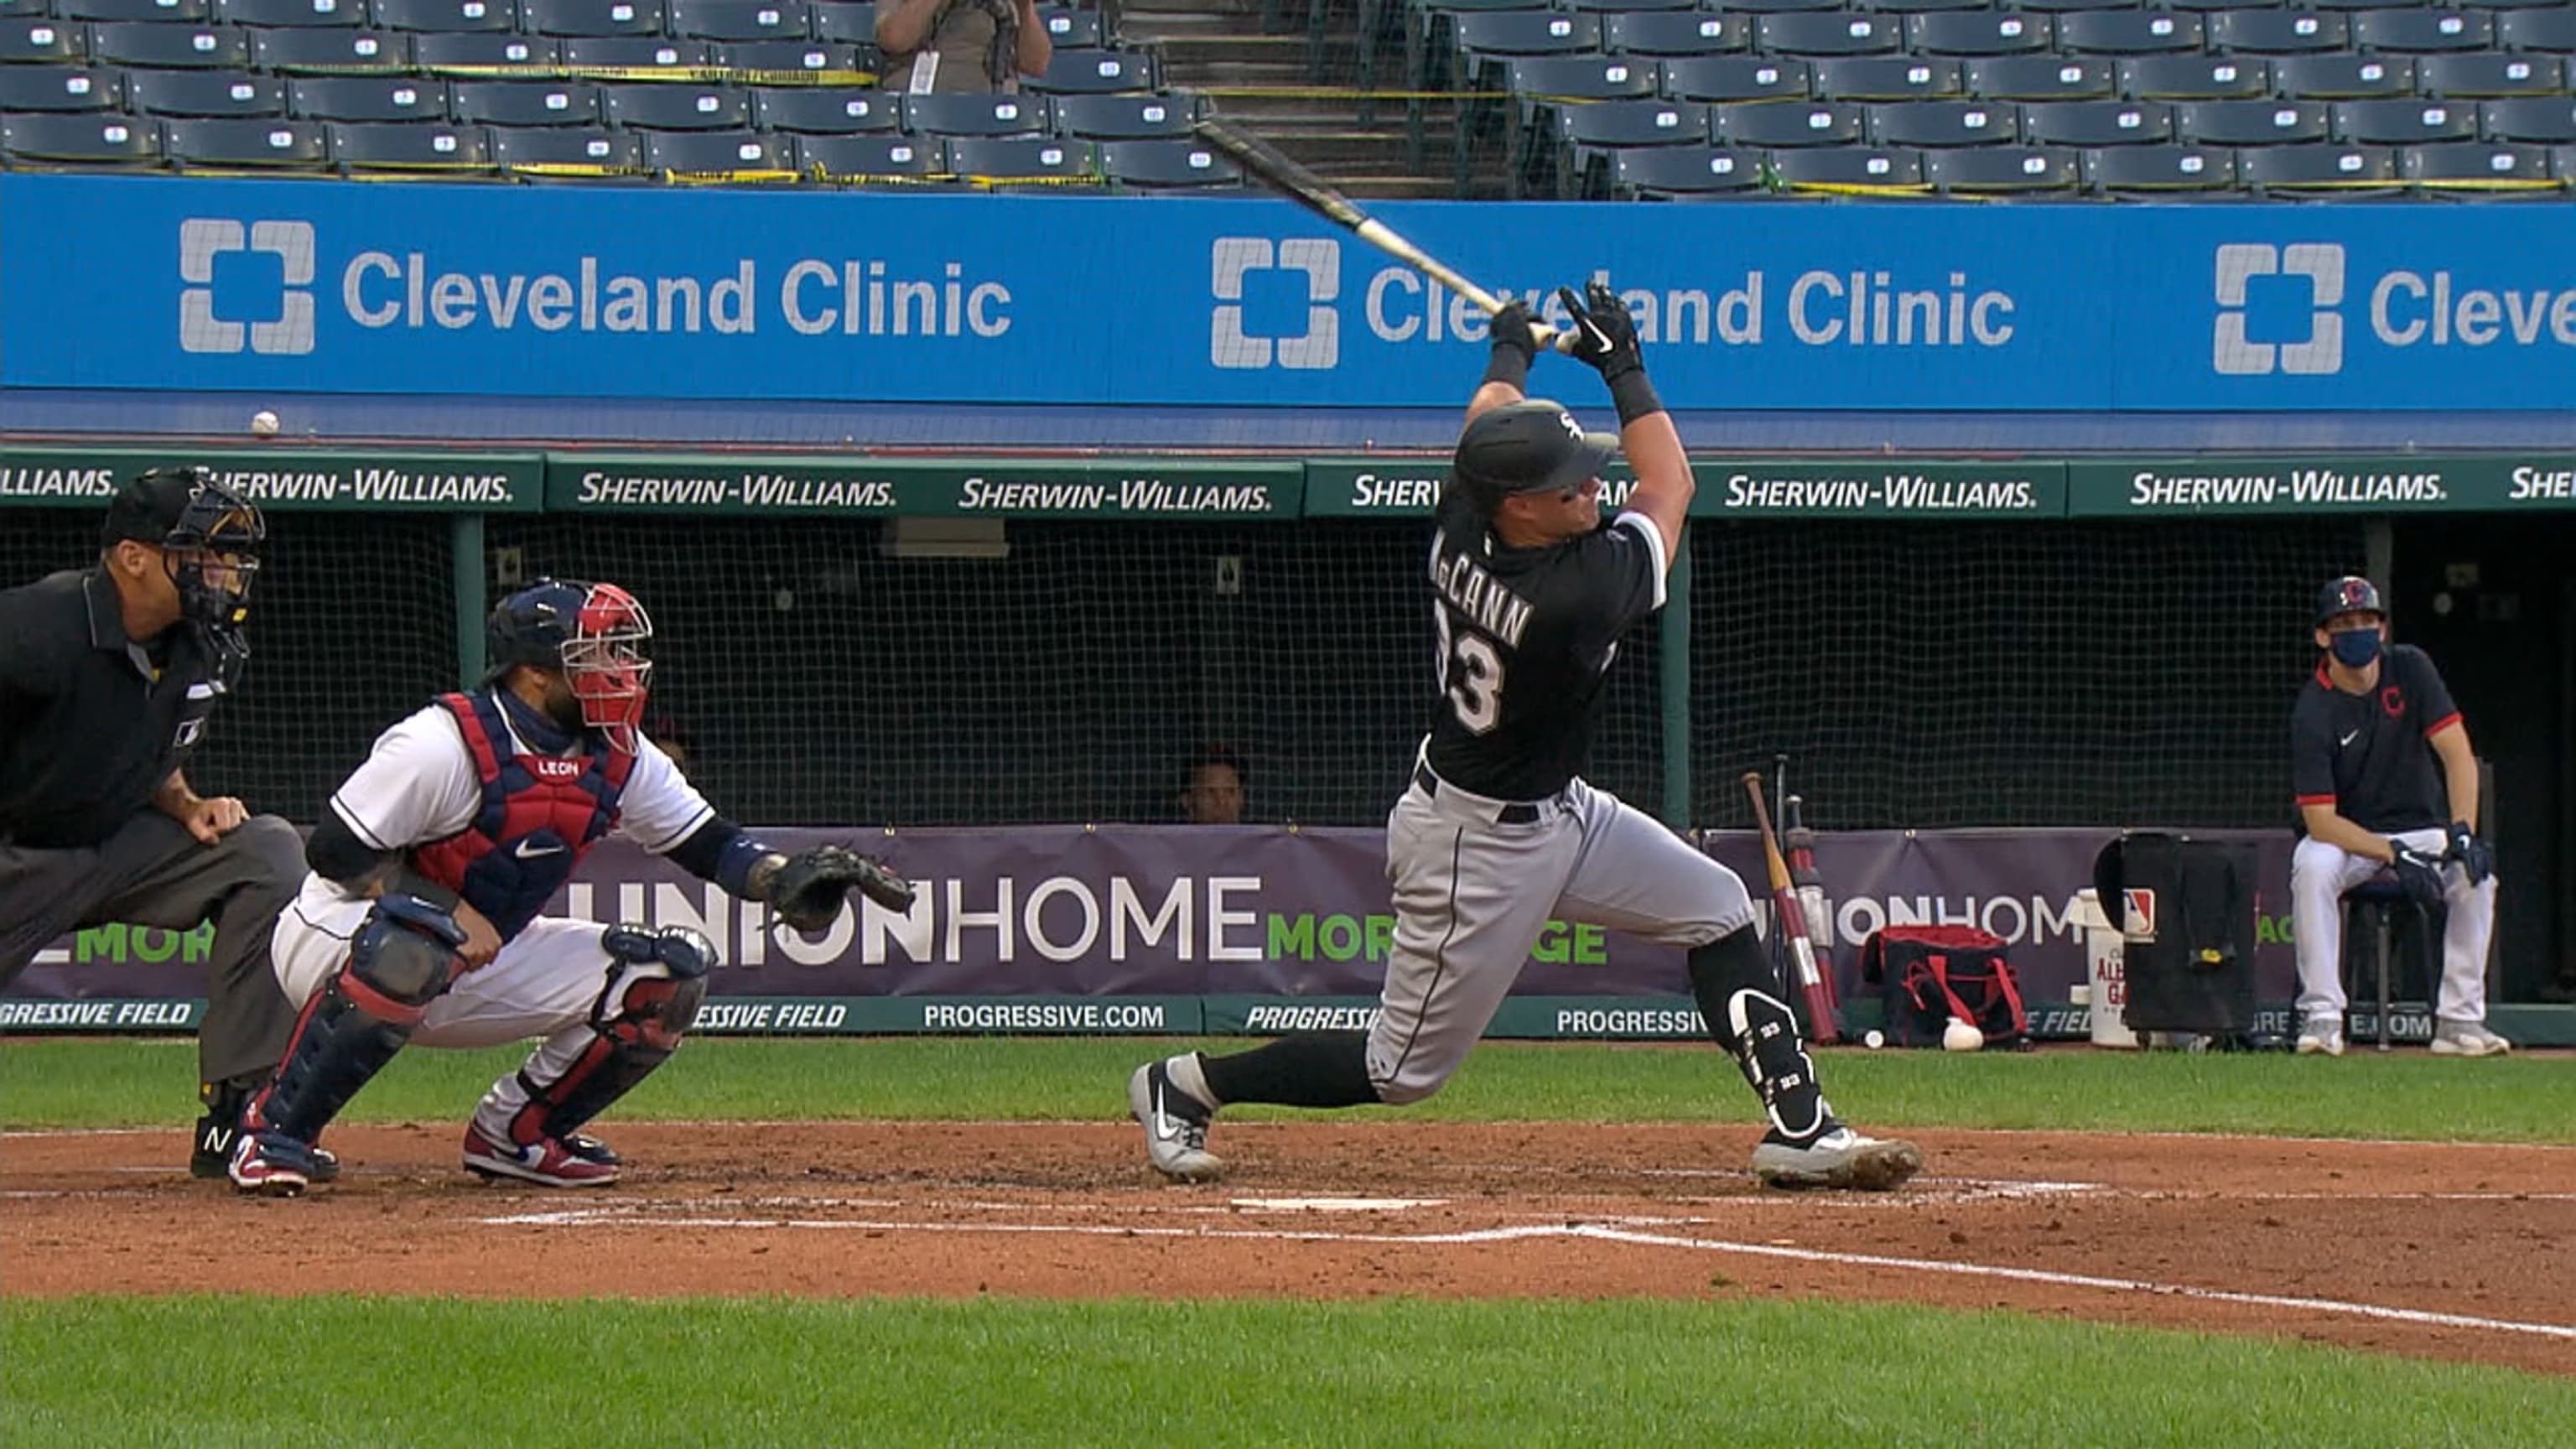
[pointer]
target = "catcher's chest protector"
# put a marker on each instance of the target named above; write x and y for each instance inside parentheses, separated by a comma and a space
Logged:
(540, 815)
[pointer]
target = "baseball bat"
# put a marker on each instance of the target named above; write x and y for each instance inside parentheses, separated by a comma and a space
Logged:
(1261, 160)
(1793, 921)
(1800, 843)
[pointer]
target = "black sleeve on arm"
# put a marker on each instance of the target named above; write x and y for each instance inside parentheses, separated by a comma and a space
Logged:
(2433, 703)
(719, 851)
(2312, 757)
(337, 855)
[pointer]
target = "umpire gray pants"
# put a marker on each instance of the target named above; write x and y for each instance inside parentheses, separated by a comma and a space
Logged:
(152, 872)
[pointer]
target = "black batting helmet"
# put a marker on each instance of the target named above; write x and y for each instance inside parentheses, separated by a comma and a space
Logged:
(2351, 594)
(1532, 446)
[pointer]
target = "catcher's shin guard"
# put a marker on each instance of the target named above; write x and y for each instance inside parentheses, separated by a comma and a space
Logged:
(1740, 997)
(656, 981)
(401, 960)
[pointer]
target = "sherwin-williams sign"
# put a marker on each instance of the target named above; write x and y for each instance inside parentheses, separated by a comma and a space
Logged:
(289, 477)
(173, 283)
(1141, 488)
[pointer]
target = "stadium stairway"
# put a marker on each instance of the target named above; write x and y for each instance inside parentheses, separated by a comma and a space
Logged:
(1288, 70)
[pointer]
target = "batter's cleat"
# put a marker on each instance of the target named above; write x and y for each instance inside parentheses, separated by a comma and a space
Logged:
(273, 1164)
(1176, 1126)
(1837, 1157)
(2320, 1036)
(547, 1162)
(2467, 1039)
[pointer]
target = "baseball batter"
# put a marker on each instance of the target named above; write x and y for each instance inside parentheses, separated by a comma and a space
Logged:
(1498, 831)
(420, 919)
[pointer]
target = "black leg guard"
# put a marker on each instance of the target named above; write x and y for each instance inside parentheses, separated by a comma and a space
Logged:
(1739, 994)
(656, 982)
(1306, 1069)
(401, 961)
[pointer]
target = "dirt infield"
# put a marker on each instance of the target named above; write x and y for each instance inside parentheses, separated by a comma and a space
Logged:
(2450, 1252)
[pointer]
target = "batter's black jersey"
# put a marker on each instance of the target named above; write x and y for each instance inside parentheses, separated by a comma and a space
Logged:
(1526, 635)
(2369, 755)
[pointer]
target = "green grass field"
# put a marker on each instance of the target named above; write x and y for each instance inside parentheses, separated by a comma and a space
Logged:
(1729, 1369)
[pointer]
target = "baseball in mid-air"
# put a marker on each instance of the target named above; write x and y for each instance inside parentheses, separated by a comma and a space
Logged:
(1959, 1036)
(263, 424)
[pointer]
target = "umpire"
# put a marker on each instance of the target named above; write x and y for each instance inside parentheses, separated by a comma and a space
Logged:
(107, 677)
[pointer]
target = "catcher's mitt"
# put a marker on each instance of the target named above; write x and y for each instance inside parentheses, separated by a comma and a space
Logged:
(807, 891)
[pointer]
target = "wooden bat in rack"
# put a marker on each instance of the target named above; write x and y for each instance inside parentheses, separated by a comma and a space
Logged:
(1800, 843)
(1263, 162)
(1792, 923)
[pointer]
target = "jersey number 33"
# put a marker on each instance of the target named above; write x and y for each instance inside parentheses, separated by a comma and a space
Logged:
(1471, 674)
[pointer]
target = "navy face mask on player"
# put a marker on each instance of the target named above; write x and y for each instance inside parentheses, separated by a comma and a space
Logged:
(2355, 648)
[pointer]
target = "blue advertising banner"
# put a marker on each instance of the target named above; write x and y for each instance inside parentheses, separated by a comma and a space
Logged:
(161, 283)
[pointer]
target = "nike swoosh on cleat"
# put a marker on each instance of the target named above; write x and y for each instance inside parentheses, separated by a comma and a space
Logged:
(1161, 1126)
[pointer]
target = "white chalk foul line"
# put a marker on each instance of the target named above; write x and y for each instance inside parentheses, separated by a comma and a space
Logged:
(589, 1217)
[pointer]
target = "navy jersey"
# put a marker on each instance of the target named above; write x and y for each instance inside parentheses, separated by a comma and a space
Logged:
(2370, 755)
(1525, 637)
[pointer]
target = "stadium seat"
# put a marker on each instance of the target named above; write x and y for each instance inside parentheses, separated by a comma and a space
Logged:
(1611, 7)
(2154, 170)
(663, 106)
(409, 146)
(61, 88)
(742, 19)
(1165, 164)
(2060, 7)
(336, 52)
(1125, 117)
(2250, 123)
(2317, 168)
(81, 140)
(2343, 77)
(42, 40)
(853, 21)
(2088, 124)
(817, 110)
(1824, 33)
(2552, 29)
(1977, 32)
(636, 52)
(1067, 27)
(1504, 33)
(2195, 78)
(1582, 77)
(204, 93)
(1633, 123)
(367, 98)
(2472, 165)
(1768, 125)
(334, 14)
(795, 55)
(1923, 124)
(2547, 120)
(1096, 72)
(1663, 171)
(1736, 78)
(1888, 78)
(543, 147)
(2278, 32)
(2127, 32)
(975, 115)
(1919, 7)
(248, 141)
(1783, 7)
(1850, 168)
(1675, 32)
(2406, 121)
(2004, 170)
(448, 15)
(842, 158)
(170, 47)
(2041, 78)
(526, 103)
(1021, 158)
(717, 153)
(591, 17)
(2482, 74)
(474, 49)
(2419, 31)
(182, 12)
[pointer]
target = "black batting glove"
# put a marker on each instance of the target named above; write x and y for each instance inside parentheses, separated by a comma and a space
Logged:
(1514, 346)
(2418, 873)
(1604, 335)
(2474, 855)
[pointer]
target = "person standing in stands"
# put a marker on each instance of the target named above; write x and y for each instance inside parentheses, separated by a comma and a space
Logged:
(961, 45)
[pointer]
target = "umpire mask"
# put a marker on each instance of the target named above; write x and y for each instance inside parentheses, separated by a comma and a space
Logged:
(209, 538)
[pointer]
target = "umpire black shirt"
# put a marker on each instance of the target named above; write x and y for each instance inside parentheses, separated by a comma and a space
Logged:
(91, 722)
(2370, 756)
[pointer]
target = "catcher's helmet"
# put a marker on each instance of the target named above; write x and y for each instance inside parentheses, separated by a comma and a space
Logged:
(2351, 594)
(594, 634)
(1531, 446)
(200, 525)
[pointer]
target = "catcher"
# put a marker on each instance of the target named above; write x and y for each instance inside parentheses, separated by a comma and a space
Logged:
(419, 920)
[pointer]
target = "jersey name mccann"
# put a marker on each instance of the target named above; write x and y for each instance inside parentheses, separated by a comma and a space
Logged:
(1482, 599)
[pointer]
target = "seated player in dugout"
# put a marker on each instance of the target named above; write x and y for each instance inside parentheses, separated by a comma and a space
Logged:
(1216, 791)
(420, 919)
(2386, 781)
(1498, 832)
(109, 679)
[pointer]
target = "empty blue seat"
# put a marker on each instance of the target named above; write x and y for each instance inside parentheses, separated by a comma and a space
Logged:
(2195, 77)
(718, 153)
(806, 56)
(1077, 28)
(1582, 77)
(2480, 74)
(1527, 32)
(2087, 124)
(1735, 78)
(258, 141)
(1766, 125)
(1978, 32)
(1676, 32)
(2251, 123)
(1633, 123)
(1824, 33)
(853, 157)
(2547, 120)
(368, 98)
(2343, 77)
(2406, 121)
(1125, 117)
(42, 40)
(965, 114)
(2127, 32)
(1888, 78)
(447, 15)
(1096, 72)
(1925, 124)
(2471, 165)
(1850, 169)
(2278, 32)
(204, 93)
(345, 14)
(2042, 77)
(818, 110)
(2332, 167)
(481, 49)
(61, 88)
(1022, 158)
(526, 103)
(2159, 170)
(185, 12)
(170, 47)
(1168, 164)
(434, 146)
(742, 19)
(2417, 31)
(663, 106)
(2551, 29)
(2003, 170)
(592, 17)
(540, 149)
(93, 139)
(635, 52)
(1684, 170)
(331, 50)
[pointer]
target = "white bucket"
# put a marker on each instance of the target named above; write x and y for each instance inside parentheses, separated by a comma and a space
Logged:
(2106, 962)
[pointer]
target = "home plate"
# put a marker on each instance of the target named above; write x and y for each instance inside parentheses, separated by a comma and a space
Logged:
(1338, 1204)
